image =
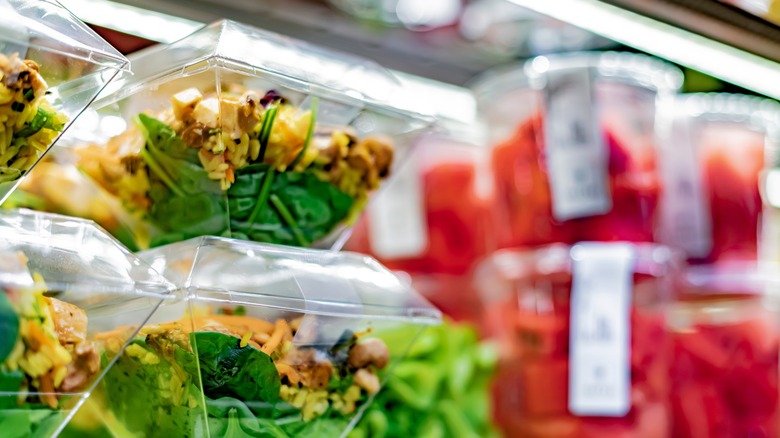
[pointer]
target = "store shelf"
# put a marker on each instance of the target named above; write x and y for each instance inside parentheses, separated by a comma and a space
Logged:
(718, 39)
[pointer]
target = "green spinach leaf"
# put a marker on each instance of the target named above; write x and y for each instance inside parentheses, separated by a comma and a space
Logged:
(9, 326)
(228, 370)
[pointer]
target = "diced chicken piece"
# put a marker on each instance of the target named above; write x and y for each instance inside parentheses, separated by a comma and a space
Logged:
(206, 112)
(367, 380)
(314, 370)
(369, 352)
(86, 364)
(230, 109)
(248, 114)
(70, 322)
(184, 102)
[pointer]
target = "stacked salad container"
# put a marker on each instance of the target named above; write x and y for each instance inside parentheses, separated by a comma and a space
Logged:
(51, 67)
(64, 282)
(216, 145)
(237, 132)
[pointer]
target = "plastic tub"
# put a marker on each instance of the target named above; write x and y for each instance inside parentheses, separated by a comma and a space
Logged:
(235, 131)
(585, 354)
(711, 163)
(62, 281)
(575, 136)
(265, 339)
(726, 345)
(435, 217)
(52, 65)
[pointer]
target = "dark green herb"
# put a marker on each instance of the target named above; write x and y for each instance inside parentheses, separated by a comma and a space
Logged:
(265, 129)
(309, 134)
(29, 94)
(17, 106)
(289, 219)
(42, 119)
(9, 326)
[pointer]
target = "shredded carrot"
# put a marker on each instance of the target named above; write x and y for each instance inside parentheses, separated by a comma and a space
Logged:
(280, 330)
(284, 370)
(47, 387)
(240, 324)
(230, 175)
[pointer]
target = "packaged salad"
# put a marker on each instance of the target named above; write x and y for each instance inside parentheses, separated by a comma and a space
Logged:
(574, 146)
(237, 132)
(712, 163)
(62, 280)
(265, 341)
(51, 67)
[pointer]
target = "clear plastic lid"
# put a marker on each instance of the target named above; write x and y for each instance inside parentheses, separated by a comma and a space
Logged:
(291, 63)
(754, 112)
(496, 275)
(52, 66)
(629, 68)
(75, 257)
(62, 283)
(339, 284)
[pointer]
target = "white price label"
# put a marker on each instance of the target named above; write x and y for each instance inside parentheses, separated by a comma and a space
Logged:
(685, 212)
(397, 225)
(577, 156)
(599, 371)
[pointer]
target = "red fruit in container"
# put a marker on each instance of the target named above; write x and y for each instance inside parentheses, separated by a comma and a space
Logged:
(534, 391)
(599, 181)
(713, 204)
(727, 344)
(700, 411)
(544, 387)
(541, 335)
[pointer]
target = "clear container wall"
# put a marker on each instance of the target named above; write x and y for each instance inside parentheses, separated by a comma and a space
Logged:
(574, 138)
(265, 340)
(63, 282)
(530, 298)
(52, 67)
(238, 132)
(726, 338)
(712, 162)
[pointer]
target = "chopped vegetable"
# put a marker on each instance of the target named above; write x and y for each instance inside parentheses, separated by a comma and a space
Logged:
(242, 166)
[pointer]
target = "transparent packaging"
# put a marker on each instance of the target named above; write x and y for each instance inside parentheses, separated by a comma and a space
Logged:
(530, 302)
(574, 146)
(62, 282)
(726, 337)
(435, 217)
(57, 186)
(238, 132)
(52, 66)
(711, 164)
(266, 340)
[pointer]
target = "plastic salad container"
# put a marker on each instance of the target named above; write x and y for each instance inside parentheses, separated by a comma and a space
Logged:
(62, 281)
(587, 351)
(51, 67)
(726, 345)
(238, 132)
(712, 206)
(574, 137)
(267, 341)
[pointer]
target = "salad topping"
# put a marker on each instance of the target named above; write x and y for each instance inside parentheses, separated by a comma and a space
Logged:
(284, 180)
(28, 123)
(48, 351)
